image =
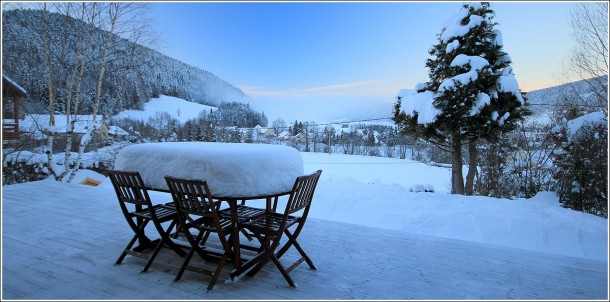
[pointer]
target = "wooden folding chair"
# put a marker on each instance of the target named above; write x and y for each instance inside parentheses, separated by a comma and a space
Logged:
(244, 213)
(270, 228)
(138, 210)
(198, 212)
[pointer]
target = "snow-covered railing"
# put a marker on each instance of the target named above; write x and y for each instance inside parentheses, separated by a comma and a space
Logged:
(10, 130)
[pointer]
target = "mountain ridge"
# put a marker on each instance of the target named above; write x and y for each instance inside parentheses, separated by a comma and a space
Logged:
(147, 74)
(547, 98)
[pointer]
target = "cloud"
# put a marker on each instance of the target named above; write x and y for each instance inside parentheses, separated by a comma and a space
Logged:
(344, 100)
(359, 88)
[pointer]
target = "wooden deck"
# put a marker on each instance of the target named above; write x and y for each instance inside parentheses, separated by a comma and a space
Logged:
(61, 257)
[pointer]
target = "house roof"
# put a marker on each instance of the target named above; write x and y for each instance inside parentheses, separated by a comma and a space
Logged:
(11, 88)
(284, 134)
(116, 130)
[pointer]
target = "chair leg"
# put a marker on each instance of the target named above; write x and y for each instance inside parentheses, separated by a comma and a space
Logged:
(153, 256)
(248, 235)
(202, 241)
(127, 248)
(293, 241)
(265, 247)
(258, 266)
(291, 238)
(178, 228)
(245, 266)
(131, 243)
(270, 256)
(184, 264)
(282, 270)
(285, 247)
(194, 248)
(217, 272)
(167, 239)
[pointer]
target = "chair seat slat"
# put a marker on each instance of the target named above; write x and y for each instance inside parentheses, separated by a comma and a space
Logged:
(244, 212)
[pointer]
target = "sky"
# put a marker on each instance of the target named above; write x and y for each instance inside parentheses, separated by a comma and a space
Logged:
(345, 52)
(329, 61)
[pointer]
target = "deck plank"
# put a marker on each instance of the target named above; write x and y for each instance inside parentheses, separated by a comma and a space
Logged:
(64, 257)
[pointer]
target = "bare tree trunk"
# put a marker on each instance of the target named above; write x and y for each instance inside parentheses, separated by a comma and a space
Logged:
(55, 63)
(78, 74)
(107, 45)
(457, 178)
(69, 124)
(588, 61)
(472, 166)
(47, 60)
(115, 10)
(83, 62)
(306, 132)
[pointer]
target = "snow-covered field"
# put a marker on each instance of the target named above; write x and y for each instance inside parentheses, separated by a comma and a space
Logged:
(381, 192)
(378, 192)
(178, 108)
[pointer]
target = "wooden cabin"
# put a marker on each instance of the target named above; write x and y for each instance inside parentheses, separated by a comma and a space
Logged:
(11, 95)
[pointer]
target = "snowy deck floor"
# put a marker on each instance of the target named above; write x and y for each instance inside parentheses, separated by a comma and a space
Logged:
(49, 253)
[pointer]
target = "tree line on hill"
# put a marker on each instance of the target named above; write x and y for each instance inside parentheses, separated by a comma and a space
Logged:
(88, 58)
(134, 73)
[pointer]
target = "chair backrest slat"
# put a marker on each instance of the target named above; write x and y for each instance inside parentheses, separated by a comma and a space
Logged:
(129, 187)
(191, 196)
(302, 192)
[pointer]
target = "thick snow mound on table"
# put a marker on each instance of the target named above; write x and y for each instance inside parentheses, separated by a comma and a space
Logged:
(230, 169)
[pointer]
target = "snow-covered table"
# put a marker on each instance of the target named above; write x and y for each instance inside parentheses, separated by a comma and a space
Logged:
(233, 170)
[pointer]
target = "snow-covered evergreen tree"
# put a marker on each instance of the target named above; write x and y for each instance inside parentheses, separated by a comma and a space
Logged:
(582, 163)
(471, 94)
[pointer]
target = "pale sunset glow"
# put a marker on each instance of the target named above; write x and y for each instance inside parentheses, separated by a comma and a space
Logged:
(358, 53)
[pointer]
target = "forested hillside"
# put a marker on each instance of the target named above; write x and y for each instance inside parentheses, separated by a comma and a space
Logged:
(134, 73)
(584, 90)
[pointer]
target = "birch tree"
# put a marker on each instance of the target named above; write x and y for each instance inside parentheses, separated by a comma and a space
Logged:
(88, 15)
(50, 73)
(114, 12)
(68, 51)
